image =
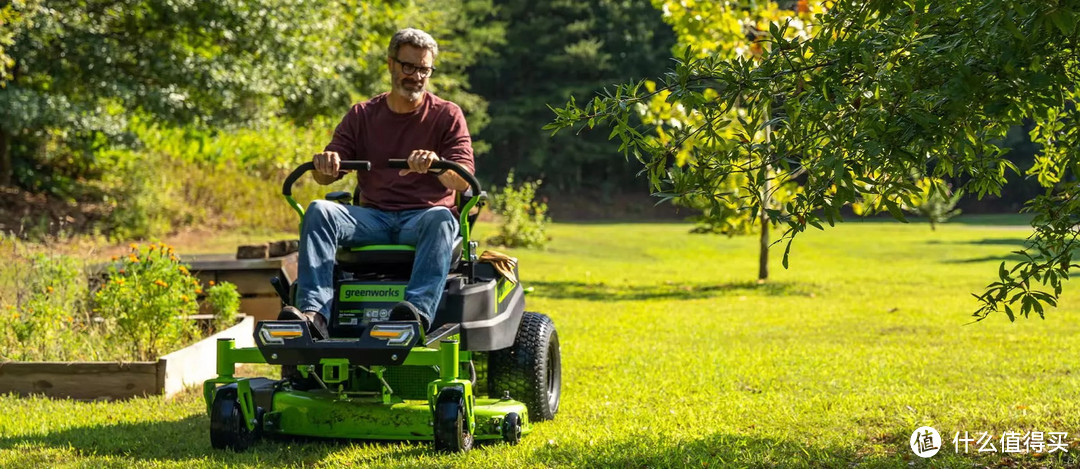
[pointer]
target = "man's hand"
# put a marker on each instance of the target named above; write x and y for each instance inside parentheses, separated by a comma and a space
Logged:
(419, 162)
(327, 167)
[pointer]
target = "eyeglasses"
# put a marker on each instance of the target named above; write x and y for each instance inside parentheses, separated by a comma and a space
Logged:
(409, 69)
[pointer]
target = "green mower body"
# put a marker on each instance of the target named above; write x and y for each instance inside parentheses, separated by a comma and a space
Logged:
(486, 370)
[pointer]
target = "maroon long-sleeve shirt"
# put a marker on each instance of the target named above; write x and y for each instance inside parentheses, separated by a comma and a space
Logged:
(371, 131)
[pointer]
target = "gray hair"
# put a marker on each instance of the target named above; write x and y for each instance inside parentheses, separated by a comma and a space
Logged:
(413, 37)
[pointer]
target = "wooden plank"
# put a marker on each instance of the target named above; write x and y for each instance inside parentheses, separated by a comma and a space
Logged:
(283, 248)
(252, 251)
(194, 364)
(250, 282)
(288, 266)
(80, 380)
(262, 308)
(114, 380)
(226, 262)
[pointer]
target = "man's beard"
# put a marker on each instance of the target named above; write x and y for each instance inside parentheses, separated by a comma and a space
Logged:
(413, 94)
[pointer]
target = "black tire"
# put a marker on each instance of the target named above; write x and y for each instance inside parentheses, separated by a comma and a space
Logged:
(451, 434)
(531, 369)
(227, 427)
(511, 428)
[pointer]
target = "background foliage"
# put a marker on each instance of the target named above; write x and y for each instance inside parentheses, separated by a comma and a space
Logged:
(555, 49)
(523, 219)
(105, 103)
(881, 91)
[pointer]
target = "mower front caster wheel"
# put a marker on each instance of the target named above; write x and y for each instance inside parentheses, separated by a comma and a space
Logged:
(451, 428)
(227, 427)
(511, 428)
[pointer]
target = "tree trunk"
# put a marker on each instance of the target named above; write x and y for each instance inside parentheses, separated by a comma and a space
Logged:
(763, 257)
(6, 169)
(766, 196)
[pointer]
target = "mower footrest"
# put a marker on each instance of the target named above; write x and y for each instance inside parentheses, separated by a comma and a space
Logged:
(446, 330)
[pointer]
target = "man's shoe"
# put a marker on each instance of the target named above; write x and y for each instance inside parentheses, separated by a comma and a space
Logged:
(406, 311)
(316, 322)
(290, 313)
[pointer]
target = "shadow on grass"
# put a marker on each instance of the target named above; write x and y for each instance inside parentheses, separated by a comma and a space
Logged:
(672, 290)
(1016, 242)
(1002, 219)
(188, 439)
(724, 450)
(717, 450)
(1008, 258)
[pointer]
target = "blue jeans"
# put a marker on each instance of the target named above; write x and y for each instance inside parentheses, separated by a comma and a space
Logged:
(328, 225)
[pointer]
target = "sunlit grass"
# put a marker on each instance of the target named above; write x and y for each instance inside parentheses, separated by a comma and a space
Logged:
(675, 357)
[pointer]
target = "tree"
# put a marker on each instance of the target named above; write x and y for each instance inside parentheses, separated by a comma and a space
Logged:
(728, 29)
(71, 71)
(554, 49)
(468, 31)
(77, 68)
(883, 90)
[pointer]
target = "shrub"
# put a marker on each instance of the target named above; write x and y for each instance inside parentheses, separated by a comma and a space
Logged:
(45, 319)
(197, 177)
(523, 220)
(147, 298)
(224, 303)
(936, 201)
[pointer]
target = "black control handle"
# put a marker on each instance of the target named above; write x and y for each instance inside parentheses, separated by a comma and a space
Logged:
(286, 188)
(445, 165)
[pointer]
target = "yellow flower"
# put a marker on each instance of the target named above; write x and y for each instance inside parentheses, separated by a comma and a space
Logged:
(198, 291)
(185, 298)
(211, 283)
(152, 247)
(119, 281)
(133, 258)
(71, 319)
(184, 270)
(49, 289)
(15, 316)
(160, 283)
(114, 258)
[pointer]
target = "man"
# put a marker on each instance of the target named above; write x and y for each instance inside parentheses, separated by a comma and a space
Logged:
(411, 206)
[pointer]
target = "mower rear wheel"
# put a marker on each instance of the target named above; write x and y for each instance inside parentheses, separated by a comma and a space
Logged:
(531, 369)
(227, 426)
(451, 430)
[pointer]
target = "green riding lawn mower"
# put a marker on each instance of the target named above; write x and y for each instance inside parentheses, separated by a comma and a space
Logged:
(486, 370)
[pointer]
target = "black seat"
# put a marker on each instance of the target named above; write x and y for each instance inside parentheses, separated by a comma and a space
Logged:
(386, 258)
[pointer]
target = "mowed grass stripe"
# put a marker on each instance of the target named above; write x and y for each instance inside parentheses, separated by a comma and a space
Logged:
(675, 357)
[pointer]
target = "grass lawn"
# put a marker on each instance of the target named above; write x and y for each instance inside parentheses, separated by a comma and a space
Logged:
(674, 357)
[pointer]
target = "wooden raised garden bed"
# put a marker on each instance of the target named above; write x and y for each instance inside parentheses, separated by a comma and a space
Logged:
(168, 375)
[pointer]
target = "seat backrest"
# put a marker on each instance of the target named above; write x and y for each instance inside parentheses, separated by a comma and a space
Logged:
(386, 258)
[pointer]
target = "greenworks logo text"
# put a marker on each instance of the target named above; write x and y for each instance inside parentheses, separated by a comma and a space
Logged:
(372, 293)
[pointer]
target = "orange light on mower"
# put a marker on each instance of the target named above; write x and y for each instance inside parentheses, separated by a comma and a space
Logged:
(393, 334)
(276, 333)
